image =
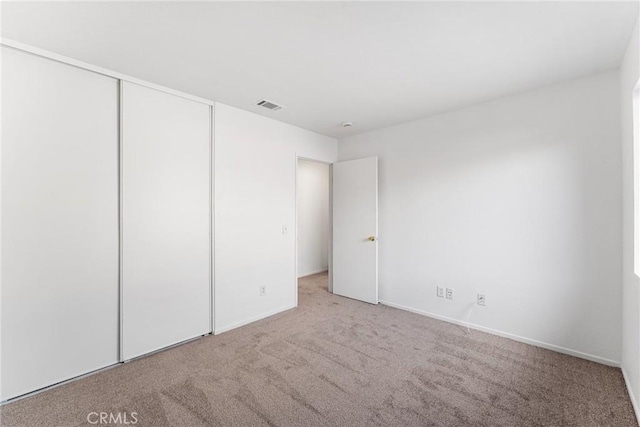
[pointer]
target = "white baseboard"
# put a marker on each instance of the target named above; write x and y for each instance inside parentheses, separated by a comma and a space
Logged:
(530, 341)
(322, 270)
(632, 396)
(222, 329)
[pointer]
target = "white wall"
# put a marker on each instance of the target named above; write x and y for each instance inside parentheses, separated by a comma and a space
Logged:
(313, 217)
(629, 75)
(520, 199)
(255, 161)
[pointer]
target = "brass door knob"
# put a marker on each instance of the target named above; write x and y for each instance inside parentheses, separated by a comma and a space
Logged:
(372, 238)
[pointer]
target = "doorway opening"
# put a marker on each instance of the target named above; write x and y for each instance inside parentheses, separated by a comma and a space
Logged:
(313, 225)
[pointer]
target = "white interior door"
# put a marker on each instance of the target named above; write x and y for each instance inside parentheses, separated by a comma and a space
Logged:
(166, 233)
(59, 305)
(355, 229)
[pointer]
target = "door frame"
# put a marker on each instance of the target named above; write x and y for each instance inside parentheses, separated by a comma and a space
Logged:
(295, 228)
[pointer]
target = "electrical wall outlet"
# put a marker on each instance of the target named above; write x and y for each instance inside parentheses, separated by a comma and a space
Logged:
(263, 290)
(449, 293)
(481, 299)
(440, 291)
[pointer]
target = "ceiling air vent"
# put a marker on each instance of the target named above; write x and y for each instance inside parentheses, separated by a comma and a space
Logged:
(269, 105)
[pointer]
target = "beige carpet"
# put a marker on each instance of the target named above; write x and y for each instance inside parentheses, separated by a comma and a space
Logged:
(335, 361)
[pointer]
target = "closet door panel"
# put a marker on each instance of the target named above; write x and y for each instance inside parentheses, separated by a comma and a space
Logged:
(165, 219)
(59, 292)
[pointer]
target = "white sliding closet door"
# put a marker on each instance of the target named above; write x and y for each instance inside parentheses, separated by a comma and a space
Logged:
(59, 266)
(165, 219)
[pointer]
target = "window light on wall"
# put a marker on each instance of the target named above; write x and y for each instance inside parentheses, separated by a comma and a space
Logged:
(636, 178)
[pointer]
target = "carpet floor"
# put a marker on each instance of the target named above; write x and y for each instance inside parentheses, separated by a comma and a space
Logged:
(336, 361)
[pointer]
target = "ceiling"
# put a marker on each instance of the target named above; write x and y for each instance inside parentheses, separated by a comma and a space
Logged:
(376, 64)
